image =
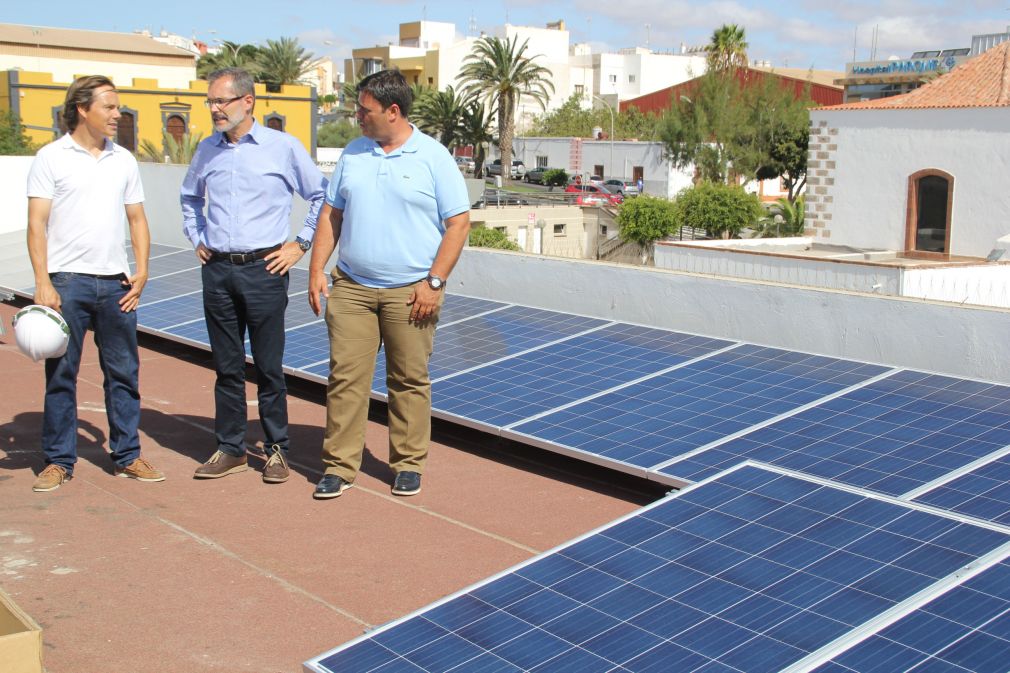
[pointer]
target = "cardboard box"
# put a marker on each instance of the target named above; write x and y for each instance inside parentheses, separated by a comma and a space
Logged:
(20, 639)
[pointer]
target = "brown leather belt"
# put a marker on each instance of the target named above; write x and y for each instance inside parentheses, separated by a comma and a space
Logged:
(243, 257)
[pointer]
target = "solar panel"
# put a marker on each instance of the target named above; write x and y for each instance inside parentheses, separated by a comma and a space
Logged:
(492, 335)
(891, 436)
(517, 388)
(705, 401)
(965, 629)
(753, 570)
(983, 492)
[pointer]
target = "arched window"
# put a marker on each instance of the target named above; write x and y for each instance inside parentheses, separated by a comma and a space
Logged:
(275, 121)
(176, 127)
(126, 135)
(930, 203)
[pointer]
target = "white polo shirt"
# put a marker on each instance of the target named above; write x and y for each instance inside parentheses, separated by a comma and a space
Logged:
(87, 225)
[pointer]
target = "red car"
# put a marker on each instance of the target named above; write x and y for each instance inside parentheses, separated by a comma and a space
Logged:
(593, 195)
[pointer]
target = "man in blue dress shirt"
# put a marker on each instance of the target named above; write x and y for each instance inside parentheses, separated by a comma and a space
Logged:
(246, 174)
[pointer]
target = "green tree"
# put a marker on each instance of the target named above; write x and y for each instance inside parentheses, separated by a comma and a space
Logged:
(556, 177)
(482, 237)
(171, 151)
(337, 133)
(13, 140)
(283, 61)
(721, 210)
(571, 120)
(727, 48)
(699, 129)
(785, 218)
(475, 128)
(501, 72)
(231, 55)
(645, 220)
(439, 114)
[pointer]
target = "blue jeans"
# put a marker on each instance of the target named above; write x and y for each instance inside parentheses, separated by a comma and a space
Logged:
(93, 303)
(240, 298)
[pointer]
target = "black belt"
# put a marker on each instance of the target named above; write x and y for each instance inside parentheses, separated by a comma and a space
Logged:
(98, 276)
(243, 257)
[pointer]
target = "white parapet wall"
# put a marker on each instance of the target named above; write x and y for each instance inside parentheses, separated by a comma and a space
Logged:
(933, 336)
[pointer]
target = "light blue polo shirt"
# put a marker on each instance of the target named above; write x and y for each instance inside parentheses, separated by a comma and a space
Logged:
(394, 206)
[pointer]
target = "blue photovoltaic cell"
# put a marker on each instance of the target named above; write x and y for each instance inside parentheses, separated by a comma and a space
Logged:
(673, 413)
(983, 493)
(159, 288)
(306, 345)
(890, 436)
(174, 262)
(460, 307)
(157, 250)
(498, 334)
(194, 331)
(515, 389)
(160, 315)
(965, 629)
(752, 571)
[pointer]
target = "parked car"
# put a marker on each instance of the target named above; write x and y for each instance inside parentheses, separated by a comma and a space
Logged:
(495, 197)
(622, 187)
(518, 168)
(465, 164)
(597, 190)
(536, 175)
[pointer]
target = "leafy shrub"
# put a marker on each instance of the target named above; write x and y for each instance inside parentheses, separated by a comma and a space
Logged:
(556, 177)
(482, 237)
(646, 219)
(721, 210)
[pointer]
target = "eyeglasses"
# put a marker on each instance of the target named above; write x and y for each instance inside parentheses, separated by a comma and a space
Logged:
(221, 102)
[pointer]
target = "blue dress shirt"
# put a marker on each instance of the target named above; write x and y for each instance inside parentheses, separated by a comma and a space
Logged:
(249, 185)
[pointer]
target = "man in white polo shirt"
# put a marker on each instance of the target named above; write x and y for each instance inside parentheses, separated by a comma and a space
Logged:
(82, 190)
(399, 208)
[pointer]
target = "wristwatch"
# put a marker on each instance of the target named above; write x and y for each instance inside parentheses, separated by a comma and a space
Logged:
(434, 282)
(303, 244)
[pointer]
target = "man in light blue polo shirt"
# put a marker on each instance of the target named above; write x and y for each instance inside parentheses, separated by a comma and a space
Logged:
(398, 205)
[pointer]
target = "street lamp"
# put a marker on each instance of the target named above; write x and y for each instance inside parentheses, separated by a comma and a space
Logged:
(610, 109)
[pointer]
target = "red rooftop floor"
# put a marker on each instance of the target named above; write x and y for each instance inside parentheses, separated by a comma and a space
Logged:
(236, 575)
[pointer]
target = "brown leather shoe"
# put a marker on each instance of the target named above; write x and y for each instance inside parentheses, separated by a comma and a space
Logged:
(220, 465)
(141, 470)
(50, 479)
(276, 470)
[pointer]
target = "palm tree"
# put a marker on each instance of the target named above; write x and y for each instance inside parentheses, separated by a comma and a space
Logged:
(231, 55)
(438, 114)
(475, 129)
(728, 48)
(171, 151)
(784, 218)
(499, 71)
(283, 61)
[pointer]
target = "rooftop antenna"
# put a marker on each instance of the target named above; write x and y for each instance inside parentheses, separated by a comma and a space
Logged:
(647, 28)
(424, 12)
(855, 37)
(472, 26)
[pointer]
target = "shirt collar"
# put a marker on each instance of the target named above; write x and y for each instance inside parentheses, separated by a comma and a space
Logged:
(254, 135)
(68, 143)
(412, 145)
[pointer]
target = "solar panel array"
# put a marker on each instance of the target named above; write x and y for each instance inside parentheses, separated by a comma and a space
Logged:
(754, 570)
(838, 515)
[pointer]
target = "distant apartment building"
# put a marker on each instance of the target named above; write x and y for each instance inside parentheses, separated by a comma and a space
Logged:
(432, 53)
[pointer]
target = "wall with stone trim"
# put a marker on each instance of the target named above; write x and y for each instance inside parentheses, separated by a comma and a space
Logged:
(860, 161)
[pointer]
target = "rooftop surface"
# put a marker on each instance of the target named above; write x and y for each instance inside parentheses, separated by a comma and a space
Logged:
(237, 575)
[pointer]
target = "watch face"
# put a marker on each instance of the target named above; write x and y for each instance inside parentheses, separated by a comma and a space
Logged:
(435, 282)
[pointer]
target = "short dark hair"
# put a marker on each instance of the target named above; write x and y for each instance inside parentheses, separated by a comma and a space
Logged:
(388, 87)
(82, 92)
(241, 81)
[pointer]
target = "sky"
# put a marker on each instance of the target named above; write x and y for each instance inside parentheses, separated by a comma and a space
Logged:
(819, 34)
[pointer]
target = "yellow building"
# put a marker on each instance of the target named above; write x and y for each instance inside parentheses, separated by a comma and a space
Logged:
(149, 110)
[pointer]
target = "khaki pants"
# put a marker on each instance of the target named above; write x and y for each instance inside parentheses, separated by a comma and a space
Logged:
(357, 317)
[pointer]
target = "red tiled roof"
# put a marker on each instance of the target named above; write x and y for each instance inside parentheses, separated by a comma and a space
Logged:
(984, 81)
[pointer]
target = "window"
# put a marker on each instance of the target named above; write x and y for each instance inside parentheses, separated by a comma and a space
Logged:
(126, 134)
(503, 230)
(927, 211)
(176, 127)
(580, 89)
(541, 162)
(559, 230)
(598, 170)
(603, 230)
(631, 79)
(613, 79)
(431, 81)
(275, 123)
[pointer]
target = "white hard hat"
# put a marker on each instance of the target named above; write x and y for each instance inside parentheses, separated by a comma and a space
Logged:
(41, 332)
